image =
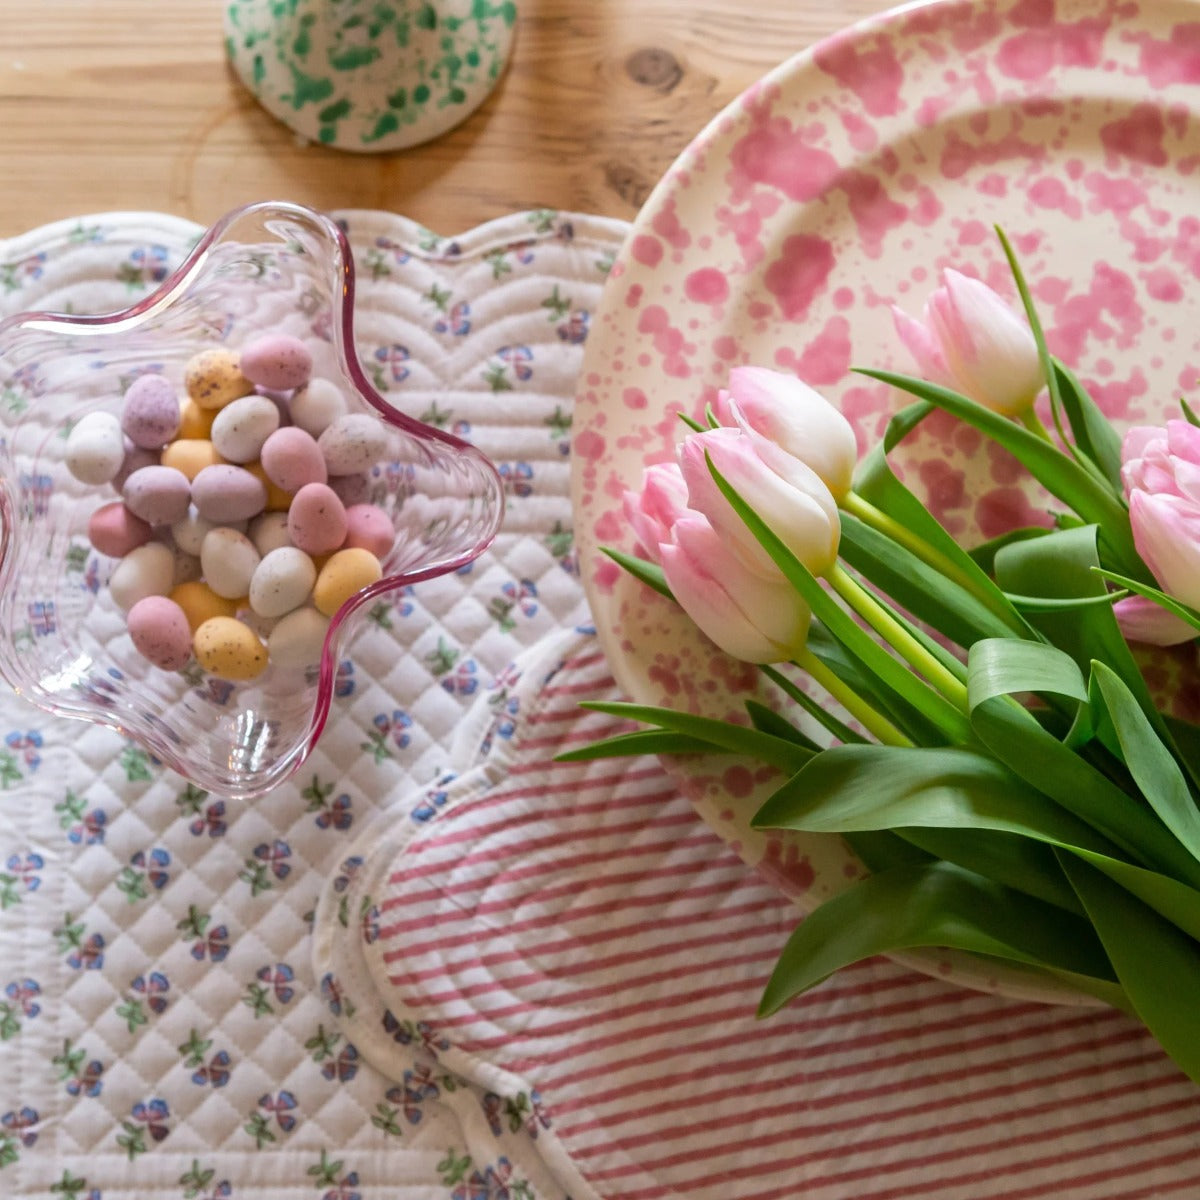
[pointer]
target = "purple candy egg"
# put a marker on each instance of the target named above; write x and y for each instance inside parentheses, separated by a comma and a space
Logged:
(159, 495)
(150, 415)
(277, 362)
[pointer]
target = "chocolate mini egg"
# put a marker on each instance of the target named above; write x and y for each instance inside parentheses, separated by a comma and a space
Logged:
(228, 560)
(136, 457)
(189, 531)
(200, 603)
(317, 519)
(150, 413)
(160, 633)
(195, 422)
(213, 378)
(351, 489)
(191, 456)
(316, 406)
(159, 495)
(148, 570)
(227, 493)
(115, 531)
(346, 572)
(282, 582)
(228, 648)
(269, 531)
(370, 528)
(298, 639)
(242, 426)
(277, 361)
(277, 499)
(292, 458)
(95, 448)
(353, 443)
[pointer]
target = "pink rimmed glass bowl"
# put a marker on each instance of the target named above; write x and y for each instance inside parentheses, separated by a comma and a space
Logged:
(268, 267)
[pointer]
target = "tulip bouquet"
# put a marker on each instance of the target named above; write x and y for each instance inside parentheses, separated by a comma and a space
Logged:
(995, 757)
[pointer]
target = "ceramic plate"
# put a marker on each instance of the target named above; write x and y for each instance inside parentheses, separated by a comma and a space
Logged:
(842, 183)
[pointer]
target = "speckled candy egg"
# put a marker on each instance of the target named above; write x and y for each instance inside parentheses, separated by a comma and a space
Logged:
(282, 582)
(241, 428)
(226, 647)
(95, 448)
(277, 361)
(115, 531)
(292, 458)
(317, 519)
(298, 639)
(147, 571)
(159, 495)
(346, 572)
(200, 603)
(228, 560)
(353, 443)
(269, 531)
(150, 414)
(160, 632)
(316, 406)
(351, 489)
(136, 457)
(369, 528)
(213, 378)
(226, 493)
(195, 422)
(190, 455)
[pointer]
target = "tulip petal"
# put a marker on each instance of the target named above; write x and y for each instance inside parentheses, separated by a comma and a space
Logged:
(1166, 532)
(1142, 620)
(925, 349)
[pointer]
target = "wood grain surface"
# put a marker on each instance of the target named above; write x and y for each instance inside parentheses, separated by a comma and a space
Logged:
(129, 104)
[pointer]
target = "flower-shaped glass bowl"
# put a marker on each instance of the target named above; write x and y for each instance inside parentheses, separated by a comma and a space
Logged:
(264, 268)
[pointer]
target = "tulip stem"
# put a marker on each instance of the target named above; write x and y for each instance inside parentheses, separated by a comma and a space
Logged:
(868, 717)
(1033, 423)
(899, 638)
(929, 554)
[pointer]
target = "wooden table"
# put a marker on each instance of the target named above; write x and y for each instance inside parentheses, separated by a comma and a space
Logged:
(129, 104)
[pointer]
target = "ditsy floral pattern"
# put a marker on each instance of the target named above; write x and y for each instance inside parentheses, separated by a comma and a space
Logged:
(155, 938)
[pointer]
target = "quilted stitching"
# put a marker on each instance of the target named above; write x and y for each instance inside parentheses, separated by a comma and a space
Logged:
(168, 929)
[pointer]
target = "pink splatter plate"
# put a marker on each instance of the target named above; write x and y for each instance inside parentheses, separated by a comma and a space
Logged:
(842, 183)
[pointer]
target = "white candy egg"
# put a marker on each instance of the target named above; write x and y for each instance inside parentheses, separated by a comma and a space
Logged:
(240, 428)
(298, 638)
(95, 448)
(229, 560)
(147, 571)
(269, 531)
(355, 442)
(282, 582)
(316, 406)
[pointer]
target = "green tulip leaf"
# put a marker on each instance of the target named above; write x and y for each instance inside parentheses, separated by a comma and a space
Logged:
(1040, 604)
(984, 555)
(1188, 412)
(1157, 965)
(926, 905)
(1093, 433)
(767, 720)
(651, 574)
(640, 741)
(1003, 666)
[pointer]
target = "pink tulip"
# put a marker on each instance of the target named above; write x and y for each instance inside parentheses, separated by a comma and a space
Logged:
(790, 414)
(654, 510)
(972, 341)
(1161, 473)
(755, 619)
(788, 496)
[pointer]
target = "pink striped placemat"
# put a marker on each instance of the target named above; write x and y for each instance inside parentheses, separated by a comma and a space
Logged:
(579, 949)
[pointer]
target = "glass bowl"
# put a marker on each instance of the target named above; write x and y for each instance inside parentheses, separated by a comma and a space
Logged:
(267, 267)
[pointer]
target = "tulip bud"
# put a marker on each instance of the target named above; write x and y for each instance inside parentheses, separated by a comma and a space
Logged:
(788, 496)
(654, 510)
(974, 342)
(791, 415)
(1166, 532)
(749, 617)
(1142, 620)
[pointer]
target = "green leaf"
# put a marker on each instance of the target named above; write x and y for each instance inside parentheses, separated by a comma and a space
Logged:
(651, 574)
(838, 729)
(915, 586)
(1060, 475)
(1091, 429)
(935, 904)
(873, 659)
(1150, 762)
(1003, 666)
(641, 741)
(767, 720)
(735, 739)
(1188, 413)
(984, 555)
(1158, 966)
(1037, 604)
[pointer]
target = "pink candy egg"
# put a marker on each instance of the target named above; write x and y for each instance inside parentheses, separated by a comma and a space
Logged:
(115, 531)
(277, 361)
(136, 457)
(368, 527)
(292, 458)
(160, 632)
(150, 416)
(159, 495)
(317, 519)
(224, 493)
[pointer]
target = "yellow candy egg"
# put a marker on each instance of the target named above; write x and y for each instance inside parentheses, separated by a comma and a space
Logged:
(191, 456)
(277, 499)
(346, 572)
(194, 421)
(200, 603)
(213, 378)
(226, 647)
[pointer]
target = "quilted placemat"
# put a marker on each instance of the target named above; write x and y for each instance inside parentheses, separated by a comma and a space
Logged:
(570, 941)
(161, 1029)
